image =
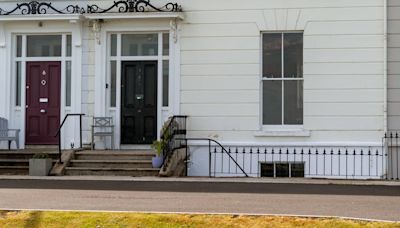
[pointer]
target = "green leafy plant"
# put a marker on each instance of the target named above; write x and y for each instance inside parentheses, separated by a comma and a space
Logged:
(41, 156)
(161, 145)
(158, 146)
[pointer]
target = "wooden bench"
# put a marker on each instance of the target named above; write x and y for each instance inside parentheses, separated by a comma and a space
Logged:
(8, 135)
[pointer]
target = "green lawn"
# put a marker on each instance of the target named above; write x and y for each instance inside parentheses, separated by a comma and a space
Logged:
(99, 220)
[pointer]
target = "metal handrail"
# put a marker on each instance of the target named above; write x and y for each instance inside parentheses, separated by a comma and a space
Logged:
(173, 133)
(170, 123)
(209, 150)
(59, 132)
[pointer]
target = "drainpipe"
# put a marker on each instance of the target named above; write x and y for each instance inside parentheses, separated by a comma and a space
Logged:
(385, 66)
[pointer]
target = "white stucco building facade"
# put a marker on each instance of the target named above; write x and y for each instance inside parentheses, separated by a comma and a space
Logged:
(289, 75)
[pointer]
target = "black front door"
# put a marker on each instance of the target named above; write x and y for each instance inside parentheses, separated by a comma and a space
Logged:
(139, 102)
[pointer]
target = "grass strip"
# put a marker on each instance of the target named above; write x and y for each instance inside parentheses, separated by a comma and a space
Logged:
(33, 219)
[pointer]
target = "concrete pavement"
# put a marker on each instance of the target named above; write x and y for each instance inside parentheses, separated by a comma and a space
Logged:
(360, 201)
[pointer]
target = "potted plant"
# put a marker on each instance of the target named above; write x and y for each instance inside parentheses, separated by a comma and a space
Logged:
(161, 145)
(40, 165)
(158, 160)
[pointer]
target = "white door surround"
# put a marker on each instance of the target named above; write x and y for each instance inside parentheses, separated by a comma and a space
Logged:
(8, 61)
(104, 58)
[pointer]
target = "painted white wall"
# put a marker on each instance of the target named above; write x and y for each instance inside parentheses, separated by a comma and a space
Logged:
(343, 67)
(220, 69)
(393, 65)
(88, 81)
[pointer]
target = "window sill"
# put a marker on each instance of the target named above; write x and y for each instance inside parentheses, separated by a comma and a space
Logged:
(283, 133)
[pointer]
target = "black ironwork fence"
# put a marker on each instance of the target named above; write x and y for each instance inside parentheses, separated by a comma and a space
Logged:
(317, 162)
(391, 144)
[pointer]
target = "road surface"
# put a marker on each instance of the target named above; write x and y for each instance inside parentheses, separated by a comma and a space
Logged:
(369, 202)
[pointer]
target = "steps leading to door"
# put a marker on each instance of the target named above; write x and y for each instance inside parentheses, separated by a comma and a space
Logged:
(17, 162)
(112, 163)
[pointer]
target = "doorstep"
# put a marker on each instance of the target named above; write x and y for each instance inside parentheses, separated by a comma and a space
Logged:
(208, 180)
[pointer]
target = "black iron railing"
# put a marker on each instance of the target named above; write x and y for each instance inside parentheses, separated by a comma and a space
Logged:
(313, 162)
(293, 161)
(176, 128)
(212, 148)
(391, 145)
(61, 126)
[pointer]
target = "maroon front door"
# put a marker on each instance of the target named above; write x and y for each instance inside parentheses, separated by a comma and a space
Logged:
(43, 84)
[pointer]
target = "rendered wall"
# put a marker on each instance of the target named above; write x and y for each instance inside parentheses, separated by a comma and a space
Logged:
(343, 67)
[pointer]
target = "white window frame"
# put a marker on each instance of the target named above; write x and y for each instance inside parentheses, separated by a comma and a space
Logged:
(23, 59)
(283, 126)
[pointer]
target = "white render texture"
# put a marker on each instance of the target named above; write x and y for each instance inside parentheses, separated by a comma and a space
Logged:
(343, 67)
(220, 68)
(393, 65)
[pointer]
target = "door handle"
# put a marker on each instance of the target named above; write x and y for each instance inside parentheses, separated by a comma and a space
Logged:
(42, 111)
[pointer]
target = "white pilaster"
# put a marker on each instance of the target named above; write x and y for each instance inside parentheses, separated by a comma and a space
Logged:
(3, 74)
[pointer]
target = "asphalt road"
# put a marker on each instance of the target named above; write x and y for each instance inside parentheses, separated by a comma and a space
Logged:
(369, 202)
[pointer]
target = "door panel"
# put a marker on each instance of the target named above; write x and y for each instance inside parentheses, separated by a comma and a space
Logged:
(139, 102)
(43, 85)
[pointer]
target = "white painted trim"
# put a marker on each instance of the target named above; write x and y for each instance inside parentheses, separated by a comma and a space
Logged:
(282, 126)
(159, 83)
(41, 17)
(2, 36)
(291, 144)
(385, 65)
(283, 133)
(175, 72)
(137, 15)
(75, 29)
(115, 111)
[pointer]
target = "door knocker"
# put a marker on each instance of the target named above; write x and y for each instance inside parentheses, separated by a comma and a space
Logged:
(43, 82)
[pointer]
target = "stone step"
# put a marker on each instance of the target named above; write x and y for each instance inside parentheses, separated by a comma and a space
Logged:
(24, 154)
(114, 155)
(14, 170)
(137, 172)
(17, 162)
(111, 163)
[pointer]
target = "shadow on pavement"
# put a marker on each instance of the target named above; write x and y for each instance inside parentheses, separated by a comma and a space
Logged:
(203, 187)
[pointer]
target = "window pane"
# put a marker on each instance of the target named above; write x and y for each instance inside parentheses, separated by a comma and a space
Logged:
(113, 92)
(69, 45)
(297, 170)
(68, 83)
(44, 46)
(272, 102)
(272, 55)
(282, 170)
(18, 85)
(166, 44)
(267, 170)
(165, 82)
(140, 45)
(293, 57)
(113, 44)
(293, 102)
(19, 46)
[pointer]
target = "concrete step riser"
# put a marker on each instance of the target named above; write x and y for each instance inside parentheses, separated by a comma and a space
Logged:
(113, 157)
(23, 156)
(10, 163)
(14, 171)
(110, 173)
(110, 165)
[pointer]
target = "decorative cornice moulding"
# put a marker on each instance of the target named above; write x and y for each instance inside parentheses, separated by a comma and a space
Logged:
(122, 6)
